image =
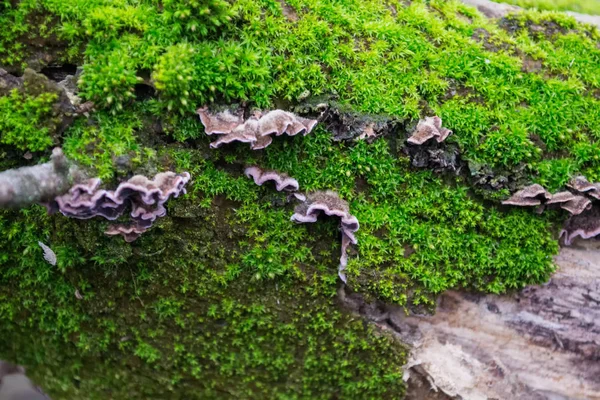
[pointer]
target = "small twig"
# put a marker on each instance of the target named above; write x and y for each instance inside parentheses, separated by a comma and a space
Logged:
(136, 289)
(151, 254)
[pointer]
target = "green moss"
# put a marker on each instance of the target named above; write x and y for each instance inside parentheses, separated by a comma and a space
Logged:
(173, 75)
(22, 120)
(99, 142)
(109, 80)
(227, 297)
(33, 113)
(179, 311)
(404, 61)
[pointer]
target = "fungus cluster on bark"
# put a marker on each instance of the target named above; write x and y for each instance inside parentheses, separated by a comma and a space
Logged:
(536, 196)
(584, 221)
(311, 206)
(256, 130)
(51, 184)
(585, 226)
(330, 204)
(145, 197)
(282, 180)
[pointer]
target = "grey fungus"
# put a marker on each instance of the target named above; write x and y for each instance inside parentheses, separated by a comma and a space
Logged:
(581, 185)
(282, 180)
(220, 123)
(585, 226)
(330, 204)
(256, 130)
(561, 197)
(536, 195)
(532, 195)
(576, 206)
(584, 221)
(429, 128)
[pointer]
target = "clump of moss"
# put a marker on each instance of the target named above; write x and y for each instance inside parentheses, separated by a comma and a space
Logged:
(33, 114)
(109, 80)
(105, 143)
(173, 75)
(182, 309)
(22, 120)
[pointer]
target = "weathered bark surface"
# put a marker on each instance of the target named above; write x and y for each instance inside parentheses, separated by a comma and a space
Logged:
(28, 185)
(492, 9)
(542, 343)
(585, 18)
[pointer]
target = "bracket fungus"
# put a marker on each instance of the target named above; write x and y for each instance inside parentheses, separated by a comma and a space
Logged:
(282, 180)
(429, 128)
(532, 195)
(536, 195)
(585, 226)
(145, 197)
(581, 185)
(330, 204)
(129, 232)
(256, 130)
(574, 204)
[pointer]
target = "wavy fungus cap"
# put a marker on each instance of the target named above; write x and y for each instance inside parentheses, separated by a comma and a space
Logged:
(146, 198)
(582, 185)
(532, 195)
(429, 128)
(585, 225)
(129, 232)
(282, 180)
(330, 203)
(573, 203)
(256, 130)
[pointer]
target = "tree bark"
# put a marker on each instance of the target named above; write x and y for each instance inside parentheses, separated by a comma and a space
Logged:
(541, 343)
(24, 186)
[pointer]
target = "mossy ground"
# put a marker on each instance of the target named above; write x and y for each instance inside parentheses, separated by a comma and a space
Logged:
(225, 296)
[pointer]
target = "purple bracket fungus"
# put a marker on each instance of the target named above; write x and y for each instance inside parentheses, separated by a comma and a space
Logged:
(129, 232)
(330, 204)
(585, 225)
(146, 198)
(221, 123)
(561, 197)
(282, 181)
(581, 185)
(536, 195)
(429, 128)
(256, 130)
(51, 184)
(532, 195)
